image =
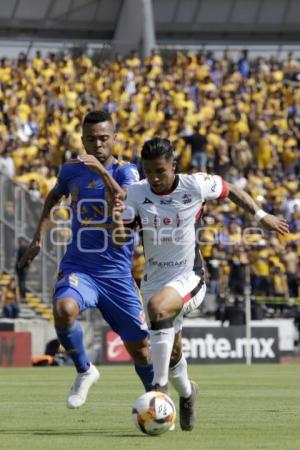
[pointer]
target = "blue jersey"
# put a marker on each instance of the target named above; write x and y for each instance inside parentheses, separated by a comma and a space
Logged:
(91, 249)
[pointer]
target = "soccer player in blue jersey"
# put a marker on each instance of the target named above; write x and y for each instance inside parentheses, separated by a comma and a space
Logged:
(95, 271)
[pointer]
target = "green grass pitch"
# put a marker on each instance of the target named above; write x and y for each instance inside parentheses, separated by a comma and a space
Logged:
(240, 407)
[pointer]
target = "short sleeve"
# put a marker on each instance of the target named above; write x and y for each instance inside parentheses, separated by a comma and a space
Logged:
(130, 214)
(127, 175)
(61, 186)
(211, 186)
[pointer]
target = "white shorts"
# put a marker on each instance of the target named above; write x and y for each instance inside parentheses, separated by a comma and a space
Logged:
(190, 287)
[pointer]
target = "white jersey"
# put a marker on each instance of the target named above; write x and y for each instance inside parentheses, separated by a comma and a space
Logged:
(169, 223)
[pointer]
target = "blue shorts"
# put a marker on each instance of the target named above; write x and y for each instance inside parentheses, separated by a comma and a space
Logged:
(117, 299)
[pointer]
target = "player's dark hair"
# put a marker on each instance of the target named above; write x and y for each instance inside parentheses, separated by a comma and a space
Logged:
(96, 117)
(157, 148)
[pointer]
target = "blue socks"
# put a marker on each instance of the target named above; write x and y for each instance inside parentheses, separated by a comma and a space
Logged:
(72, 340)
(146, 375)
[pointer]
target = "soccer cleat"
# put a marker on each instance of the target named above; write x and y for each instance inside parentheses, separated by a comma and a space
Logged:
(187, 413)
(80, 389)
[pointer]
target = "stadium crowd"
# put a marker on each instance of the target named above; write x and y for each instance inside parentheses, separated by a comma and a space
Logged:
(236, 118)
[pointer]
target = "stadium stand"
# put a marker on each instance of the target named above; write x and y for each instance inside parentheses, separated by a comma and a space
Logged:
(248, 111)
(31, 307)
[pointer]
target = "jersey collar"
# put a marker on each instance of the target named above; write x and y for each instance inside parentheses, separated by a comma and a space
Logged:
(173, 187)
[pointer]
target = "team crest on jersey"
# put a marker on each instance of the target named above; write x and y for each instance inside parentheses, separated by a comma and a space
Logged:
(213, 188)
(92, 185)
(147, 200)
(186, 198)
(166, 201)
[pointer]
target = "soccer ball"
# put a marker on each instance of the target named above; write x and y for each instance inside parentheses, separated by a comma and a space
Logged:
(154, 413)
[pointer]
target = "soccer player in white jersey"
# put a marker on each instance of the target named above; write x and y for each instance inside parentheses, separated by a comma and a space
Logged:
(168, 207)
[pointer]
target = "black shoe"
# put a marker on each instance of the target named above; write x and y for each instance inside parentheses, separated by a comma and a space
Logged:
(157, 387)
(187, 411)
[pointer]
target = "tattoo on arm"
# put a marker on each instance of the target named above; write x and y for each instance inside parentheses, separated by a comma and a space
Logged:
(242, 199)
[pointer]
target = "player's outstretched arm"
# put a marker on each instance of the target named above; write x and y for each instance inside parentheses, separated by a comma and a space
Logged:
(110, 183)
(34, 248)
(245, 201)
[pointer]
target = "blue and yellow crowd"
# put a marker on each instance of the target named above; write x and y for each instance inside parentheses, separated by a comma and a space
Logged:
(247, 112)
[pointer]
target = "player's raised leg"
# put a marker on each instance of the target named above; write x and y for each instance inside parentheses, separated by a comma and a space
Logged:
(163, 307)
(69, 333)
